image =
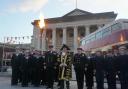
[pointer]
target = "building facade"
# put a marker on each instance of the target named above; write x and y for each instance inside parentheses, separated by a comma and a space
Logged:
(69, 29)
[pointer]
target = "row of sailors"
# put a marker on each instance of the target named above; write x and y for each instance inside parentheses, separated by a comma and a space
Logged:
(52, 67)
(37, 68)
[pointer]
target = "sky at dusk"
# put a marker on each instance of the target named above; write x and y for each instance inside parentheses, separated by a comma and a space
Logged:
(16, 15)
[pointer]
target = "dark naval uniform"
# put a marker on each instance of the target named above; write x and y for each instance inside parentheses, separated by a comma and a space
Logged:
(15, 69)
(110, 71)
(116, 65)
(99, 65)
(25, 70)
(123, 68)
(51, 60)
(43, 70)
(89, 73)
(80, 62)
(35, 70)
(31, 64)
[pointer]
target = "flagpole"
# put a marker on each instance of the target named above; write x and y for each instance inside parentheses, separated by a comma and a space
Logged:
(76, 4)
(3, 56)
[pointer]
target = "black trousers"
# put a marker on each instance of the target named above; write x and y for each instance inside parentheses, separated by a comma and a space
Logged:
(100, 79)
(36, 77)
(89, 78)
(62, 83)
(111, 79)
(25, 78)
(15, 76)
(44, 77)
(80, 77)
(124, 80)
(50, 77)
(56, 74)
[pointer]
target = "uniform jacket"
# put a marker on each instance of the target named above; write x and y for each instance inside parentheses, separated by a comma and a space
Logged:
(80, 61)
(51, 59)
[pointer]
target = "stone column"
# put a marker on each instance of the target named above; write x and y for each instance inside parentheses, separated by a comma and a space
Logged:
(87, 30)
(64, 36)
(34, 37)
(54, 37)
(75, 39)
(44, 40)
(38, 39)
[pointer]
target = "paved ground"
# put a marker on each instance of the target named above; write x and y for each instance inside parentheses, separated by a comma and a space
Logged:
(5, 84)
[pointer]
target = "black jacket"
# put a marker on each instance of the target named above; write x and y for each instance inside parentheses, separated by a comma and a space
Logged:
(80, 61)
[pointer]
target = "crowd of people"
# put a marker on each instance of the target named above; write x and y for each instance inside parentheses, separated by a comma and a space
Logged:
(46, 68)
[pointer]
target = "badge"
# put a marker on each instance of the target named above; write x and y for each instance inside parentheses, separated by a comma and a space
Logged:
(44, 67)
(85, 69)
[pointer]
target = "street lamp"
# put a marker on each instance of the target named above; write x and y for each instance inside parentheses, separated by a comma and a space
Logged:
(3, 54)
(78, 38)
(41, 26)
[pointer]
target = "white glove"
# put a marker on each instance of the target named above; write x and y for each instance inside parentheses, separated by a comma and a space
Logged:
(44, 67)
(65, 65)
(61, 64)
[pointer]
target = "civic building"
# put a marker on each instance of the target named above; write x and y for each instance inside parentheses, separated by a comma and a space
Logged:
(68, 29)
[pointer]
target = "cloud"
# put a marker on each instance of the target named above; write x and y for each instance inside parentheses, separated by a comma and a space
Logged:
(1, 13)
(118, 6)
(67, 2)
(27, 5)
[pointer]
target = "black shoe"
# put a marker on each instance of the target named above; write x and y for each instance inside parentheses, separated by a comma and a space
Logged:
(13, 84)
(49, 87)
(36, 85)
(60, 88)
(67, 87)
(89, 87)
(24, 85)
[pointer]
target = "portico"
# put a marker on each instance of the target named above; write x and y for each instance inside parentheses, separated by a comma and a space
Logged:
(70, 28)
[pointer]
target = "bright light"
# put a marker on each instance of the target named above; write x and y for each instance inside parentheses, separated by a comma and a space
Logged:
(121, 38)
(78, 38)
(41, 22)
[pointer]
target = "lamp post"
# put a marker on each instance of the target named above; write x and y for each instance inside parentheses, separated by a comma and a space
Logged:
(3, 53)
(41, 32)
(78, 38)
(41, 26)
